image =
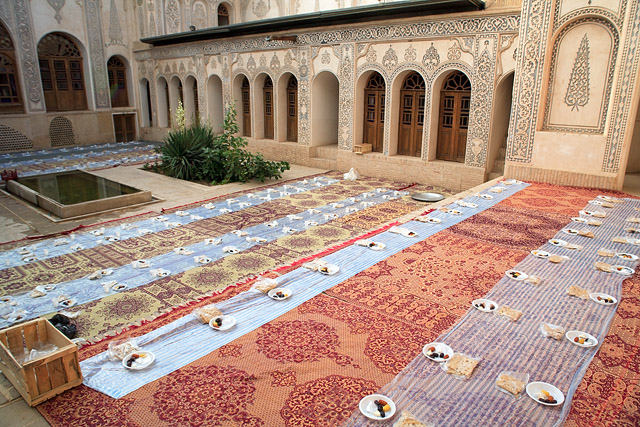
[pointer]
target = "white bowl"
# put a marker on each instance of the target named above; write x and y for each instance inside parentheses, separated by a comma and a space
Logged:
(516, 275)
(427, 197)
(439, 348)
(486, 302)
(540, 254)
(534, 390)
(331, 269)
(272, 293)
(228, 322)
(595, 295)
(622, 269)
(571, 335)
(364, 403)
(147, 360)
(627, 256)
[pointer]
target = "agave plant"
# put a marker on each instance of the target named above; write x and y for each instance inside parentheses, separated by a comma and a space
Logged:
(183, 151)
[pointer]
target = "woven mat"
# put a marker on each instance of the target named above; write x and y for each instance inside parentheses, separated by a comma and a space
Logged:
(311, 366)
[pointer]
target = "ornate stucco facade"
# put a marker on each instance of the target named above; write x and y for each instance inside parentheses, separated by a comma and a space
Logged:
(554, 86)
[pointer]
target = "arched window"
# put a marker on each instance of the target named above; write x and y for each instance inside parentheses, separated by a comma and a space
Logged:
(117, 73)
(267, 91)
(411, 115)
(246, 107)
(455, 100)
(374, 112)
(61, 71)
(292, 109)
(223, 15)
(10, 100)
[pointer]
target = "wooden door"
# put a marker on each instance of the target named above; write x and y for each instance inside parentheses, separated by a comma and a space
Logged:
(455, 101)
(292, 110)
(117, 73)
(412, 98)
(246, 108)
(124, 127)
(267, 91)
(374, 113)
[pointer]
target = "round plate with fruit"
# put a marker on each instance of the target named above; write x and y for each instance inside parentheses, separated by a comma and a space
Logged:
(329, 269)
(516, 275)
(603, 299)
(437, 351)
(581, 339)
(138, 360)
(222, 322)
(377, 407)
(279, 294)
(485, 305)
(545, 393)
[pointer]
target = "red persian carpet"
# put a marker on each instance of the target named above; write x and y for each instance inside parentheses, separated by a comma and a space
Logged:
(311, 366)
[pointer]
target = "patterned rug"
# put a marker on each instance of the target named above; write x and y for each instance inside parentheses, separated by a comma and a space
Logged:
(311, 366)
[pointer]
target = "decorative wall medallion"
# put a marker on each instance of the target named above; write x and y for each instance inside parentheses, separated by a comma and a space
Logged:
(275, 63)
(390, 59)
(260, 8)
(182, 71)
(57, 5)
(263, 61)
(115, 32)
(578, 89)
(431, 59)
(410, 54)
(199, 16)
(371, 55)
(454, 53)
(288, 59)
(325, 58)
(251, 64)
(141, 31)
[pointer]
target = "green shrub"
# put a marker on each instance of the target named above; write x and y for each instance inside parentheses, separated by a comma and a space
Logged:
(196, 153)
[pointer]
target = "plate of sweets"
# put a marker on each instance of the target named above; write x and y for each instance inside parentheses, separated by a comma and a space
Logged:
(545, 393)
(603, 299)
(540, 254)
(484, 305)
(222, 322)
(329, 269)
(377, 407)
(626, 256)
(622, 269)
(138, 360)
(516, 275)
(437, 351)
(581, 339)
(279, 294)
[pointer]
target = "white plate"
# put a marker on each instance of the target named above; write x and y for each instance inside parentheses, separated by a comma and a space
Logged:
(439, 348)
(272, 293)
(558, 242)
(432, 220)
(329, 269)
(427, 197)
(119, 287)
(67, 303)
(621, 269)
(516, 275)
(580, 220)
(571, 335)
(534, 390)
(146, 360)
(226, 322)
(595, 295)
(487, 305)
(376, 246)
(540, 254)
(627, 256)
(486, 196)
(571, 231)
(364, 403)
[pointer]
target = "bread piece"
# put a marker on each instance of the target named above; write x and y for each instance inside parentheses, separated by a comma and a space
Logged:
(510, 313)
(553, 332)
(510, 384)
(461, 365)
(634, 220)
(605, 252)
(534, 280)
(407, 420)
(576, 291)
(620, 240)
(632, 230)
(206, 313)
(573, 246)
(586, 233)
(556, 259)
(594, 223)
(603, 266)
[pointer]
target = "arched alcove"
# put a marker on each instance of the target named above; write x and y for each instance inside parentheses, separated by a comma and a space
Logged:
(118, 81)
(162, 93)
(500, 124)
(10, 91)
(242, 100)
(453, 116)
(324, 109)
(370, 105)
(215, 103)
(287, 105)
(145, 103)
(190, 93)
(176, 94)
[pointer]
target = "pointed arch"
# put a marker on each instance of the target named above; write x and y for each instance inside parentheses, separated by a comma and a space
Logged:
(453, 123)
(10, 96)
(118, 86)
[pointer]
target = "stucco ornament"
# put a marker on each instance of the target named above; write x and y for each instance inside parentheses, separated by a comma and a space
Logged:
(390, 59)
(57, 5)
(578, 88)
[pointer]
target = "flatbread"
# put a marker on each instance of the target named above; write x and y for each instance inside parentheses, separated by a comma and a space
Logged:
(534, 280)
(605, 252)
(553, 332)
(576, 291)
(206, 313)
(461, 365)
(586, 233)
(556, 259)
(407, 420)
(510, 384)
(510, 313)
(603, 266)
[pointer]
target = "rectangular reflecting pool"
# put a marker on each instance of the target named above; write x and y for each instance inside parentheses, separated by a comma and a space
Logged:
(75, 193)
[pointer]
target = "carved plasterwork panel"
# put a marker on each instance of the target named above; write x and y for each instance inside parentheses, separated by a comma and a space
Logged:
(96, 50)
(528, 81)
(304, 105)
(345, 116)
(622, 99)
(115, 31)
(172, 13)
(57, 6)
(199, 15)
(566, 10)
(580, 87)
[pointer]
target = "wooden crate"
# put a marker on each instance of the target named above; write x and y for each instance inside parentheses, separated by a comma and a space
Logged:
(46, 376)
(362, 149)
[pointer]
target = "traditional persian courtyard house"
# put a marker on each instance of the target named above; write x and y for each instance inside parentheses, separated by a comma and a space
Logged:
(449, 92)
